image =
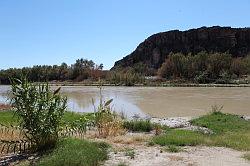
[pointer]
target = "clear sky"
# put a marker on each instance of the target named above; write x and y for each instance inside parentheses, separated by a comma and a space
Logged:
(54, 31)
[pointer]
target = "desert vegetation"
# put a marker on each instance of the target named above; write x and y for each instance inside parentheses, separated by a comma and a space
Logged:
(204, 67)
(82, 69)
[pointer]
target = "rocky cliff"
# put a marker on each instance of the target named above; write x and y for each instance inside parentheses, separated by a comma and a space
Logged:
(154, 50)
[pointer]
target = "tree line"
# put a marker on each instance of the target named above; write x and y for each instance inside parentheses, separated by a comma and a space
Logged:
(204, 67)
(82, 69)
(200, 68)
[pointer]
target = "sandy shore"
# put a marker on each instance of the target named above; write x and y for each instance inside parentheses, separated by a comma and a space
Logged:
(156, 156)
(191, 156)
(145, 155)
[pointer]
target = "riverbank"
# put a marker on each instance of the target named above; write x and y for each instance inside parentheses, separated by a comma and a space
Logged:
(147, 84)
(151, 85)
(228, 144)
(181, 141)
(189, 155)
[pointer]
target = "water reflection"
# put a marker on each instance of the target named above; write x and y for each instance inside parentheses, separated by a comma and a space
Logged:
(80, 99)
(4, 93)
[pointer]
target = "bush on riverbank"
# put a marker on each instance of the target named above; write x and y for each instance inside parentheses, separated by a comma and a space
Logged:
(204, 67)
(75, 152)
(39, 111)
(138, 125)
(221, 123)
(230, 131)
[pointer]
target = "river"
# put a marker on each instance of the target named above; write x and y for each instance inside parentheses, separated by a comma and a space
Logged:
(156, 101)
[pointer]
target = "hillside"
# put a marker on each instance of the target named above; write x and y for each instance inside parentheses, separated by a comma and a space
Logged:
(155, 49)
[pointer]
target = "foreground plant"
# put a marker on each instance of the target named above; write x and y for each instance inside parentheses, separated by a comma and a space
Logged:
(40, 111)
(107, 121)
(75, 152)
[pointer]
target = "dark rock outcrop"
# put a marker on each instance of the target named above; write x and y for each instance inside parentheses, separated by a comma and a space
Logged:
(154, 50)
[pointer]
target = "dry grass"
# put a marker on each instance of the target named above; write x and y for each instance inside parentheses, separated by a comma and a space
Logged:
(11, 140)
(112, 128)
(10, 133)
(130, 139)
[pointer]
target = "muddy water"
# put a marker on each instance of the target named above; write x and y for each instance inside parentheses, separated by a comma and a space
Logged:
(157, 101)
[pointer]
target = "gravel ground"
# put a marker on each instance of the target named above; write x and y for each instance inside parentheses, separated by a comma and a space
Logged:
(190, 156)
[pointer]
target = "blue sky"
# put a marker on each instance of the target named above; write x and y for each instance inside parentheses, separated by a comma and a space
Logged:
(54, 31)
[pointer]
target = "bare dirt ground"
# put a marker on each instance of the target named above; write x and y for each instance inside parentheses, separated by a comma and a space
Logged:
(155, 155)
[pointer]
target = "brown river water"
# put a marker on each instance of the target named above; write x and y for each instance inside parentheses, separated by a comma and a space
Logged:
(156, 101)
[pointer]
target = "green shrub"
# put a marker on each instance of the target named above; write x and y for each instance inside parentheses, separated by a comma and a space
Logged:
(230, 131)
(221, 123)
(39, 110)
(75, 152)
(201, 77)
(180, 138)
(204, 67)
(236, 140)
(128, 76)
(138, 125)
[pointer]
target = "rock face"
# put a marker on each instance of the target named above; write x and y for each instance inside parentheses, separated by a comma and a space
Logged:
(154, 50)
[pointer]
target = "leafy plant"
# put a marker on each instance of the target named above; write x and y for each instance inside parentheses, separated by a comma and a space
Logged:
(77, 128)
(138, 125)
(106, 120)
(40, 111)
